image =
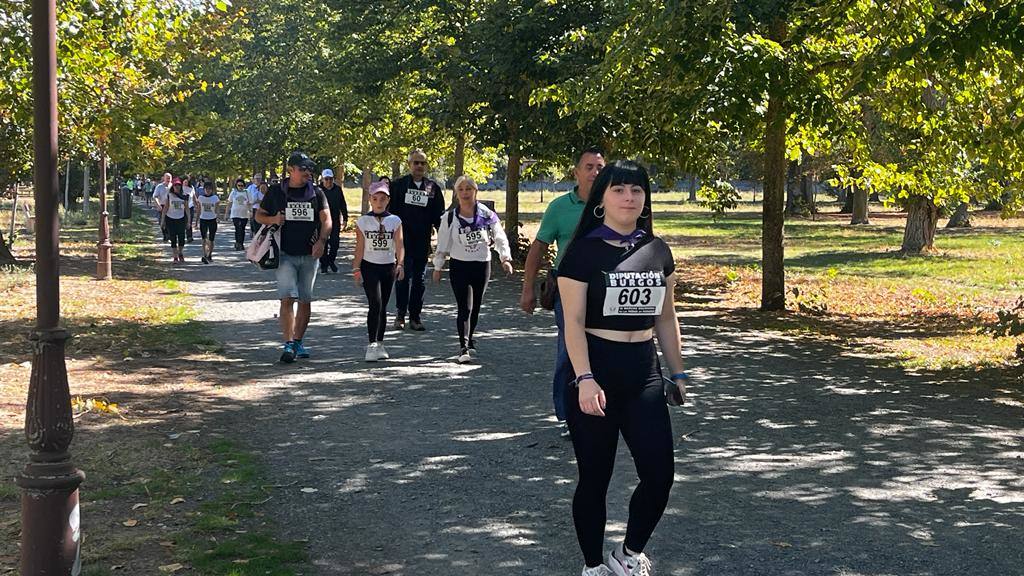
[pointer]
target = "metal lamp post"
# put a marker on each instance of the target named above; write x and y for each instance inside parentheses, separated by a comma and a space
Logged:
(49, 482)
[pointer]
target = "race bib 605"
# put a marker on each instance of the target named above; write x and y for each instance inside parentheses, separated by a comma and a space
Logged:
(634, 293)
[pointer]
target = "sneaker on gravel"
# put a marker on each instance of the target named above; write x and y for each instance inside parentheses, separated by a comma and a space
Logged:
(565, 434)
(417, 325)
(371, 352)
(300, 350)
(399, 322)
(288, 354)
(601, 570)
(464, 356)
(382, 352)
(624, 565)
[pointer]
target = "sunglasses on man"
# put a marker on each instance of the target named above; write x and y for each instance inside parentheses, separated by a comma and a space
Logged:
(419, 162)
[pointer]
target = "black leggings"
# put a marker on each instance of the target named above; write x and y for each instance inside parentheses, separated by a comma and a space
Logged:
(254, 226)
(630, 375)
(469, 281)
(208, 228)
(176, 230)
(240, 229)
(378, 280)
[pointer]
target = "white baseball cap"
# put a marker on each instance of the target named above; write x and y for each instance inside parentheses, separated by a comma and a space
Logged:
(327, 173)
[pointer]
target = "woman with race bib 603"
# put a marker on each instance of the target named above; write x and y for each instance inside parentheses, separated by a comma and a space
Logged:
(378, 263)
(616, 282)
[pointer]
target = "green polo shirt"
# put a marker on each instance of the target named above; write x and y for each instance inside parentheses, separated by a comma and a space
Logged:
(560, 220)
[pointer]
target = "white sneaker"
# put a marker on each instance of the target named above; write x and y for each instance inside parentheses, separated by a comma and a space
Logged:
(464, 356)
(371, 352)
(601, 570)
(637, 565)
(382, 352)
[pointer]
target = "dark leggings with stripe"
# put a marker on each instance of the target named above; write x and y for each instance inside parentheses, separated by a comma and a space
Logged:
(630, 376)
(469, 282)
(378, 281)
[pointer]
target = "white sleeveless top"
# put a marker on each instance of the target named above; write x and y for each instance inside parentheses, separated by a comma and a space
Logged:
(379, 237)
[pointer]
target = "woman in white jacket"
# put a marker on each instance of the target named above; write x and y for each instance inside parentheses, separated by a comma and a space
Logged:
(468, 231)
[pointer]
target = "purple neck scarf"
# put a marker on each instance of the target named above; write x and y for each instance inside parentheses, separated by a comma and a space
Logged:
(480, 221)
(605, 233)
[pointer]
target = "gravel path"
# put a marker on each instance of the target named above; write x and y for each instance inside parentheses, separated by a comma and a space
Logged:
(797, 457)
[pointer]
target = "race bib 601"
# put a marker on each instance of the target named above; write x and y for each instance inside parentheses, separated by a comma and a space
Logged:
(634, 293)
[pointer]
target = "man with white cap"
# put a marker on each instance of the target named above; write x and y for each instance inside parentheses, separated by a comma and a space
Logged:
(339, 218)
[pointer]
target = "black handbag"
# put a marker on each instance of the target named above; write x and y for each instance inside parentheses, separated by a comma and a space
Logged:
(548, 292)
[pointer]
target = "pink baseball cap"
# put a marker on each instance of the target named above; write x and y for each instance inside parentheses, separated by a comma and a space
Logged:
(381, 187)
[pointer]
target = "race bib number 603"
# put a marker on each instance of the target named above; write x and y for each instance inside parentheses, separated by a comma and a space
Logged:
(634, 293)
(299, 211)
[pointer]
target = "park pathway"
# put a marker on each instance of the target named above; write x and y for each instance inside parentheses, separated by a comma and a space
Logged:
(797, 457)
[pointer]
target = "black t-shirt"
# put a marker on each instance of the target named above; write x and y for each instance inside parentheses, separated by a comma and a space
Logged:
(336, 201)
(625, 288)
(302, 226)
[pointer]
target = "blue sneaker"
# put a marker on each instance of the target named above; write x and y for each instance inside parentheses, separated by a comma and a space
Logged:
(300, 350)
(288, 355)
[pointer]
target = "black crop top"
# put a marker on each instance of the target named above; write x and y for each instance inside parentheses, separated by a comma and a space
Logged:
(625, 288)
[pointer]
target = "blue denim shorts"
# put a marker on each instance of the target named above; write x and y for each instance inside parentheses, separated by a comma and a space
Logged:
(296, 276)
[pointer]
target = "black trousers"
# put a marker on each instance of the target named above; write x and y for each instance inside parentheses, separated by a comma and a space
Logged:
(630, 376)
(240, 229)
(254, 226)
(331, 248)
(378, 280)
(190, 214)
(176, 230)
(410, 289)
(469, 281)
(208, 228)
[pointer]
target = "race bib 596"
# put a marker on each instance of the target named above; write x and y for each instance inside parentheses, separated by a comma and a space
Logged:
(299, 211)
(634, 293)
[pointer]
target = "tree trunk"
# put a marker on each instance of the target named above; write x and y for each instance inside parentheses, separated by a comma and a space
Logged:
(919, 233)
(85, 189)
(512, 198)
(848, 201)
(691, 184)
(792, 194)
(773, 279)
(460, 156)
(807, 192)
(367, 180)
(14, 210)
(961, 218)
(859, 199)
(396, 170)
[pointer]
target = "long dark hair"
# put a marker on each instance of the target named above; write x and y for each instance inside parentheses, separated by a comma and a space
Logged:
(619, 172)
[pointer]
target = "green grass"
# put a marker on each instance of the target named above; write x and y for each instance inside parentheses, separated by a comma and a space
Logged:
(215, 546)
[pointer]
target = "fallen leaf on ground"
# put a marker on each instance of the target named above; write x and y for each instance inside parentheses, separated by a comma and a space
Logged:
(177, 500)
(170, 567)
(130, 523)
(309, 490)
(139, 505)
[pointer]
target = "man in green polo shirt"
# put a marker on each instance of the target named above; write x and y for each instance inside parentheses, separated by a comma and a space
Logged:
(557, 226)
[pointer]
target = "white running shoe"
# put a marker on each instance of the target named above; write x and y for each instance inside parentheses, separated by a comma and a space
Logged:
(464, 356)
(601, 570)
(636, 565)
(371, 352)
(382, 352)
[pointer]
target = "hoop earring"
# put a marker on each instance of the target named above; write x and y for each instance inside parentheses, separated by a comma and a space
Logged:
(642, 217)
(596, 215)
